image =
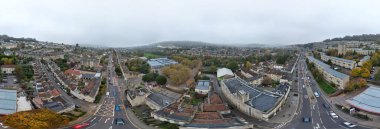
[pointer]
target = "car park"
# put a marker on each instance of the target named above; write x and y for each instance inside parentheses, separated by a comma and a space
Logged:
(348, 124)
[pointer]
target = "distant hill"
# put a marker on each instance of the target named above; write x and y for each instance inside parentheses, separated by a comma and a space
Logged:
(7, 38)
(363, 37)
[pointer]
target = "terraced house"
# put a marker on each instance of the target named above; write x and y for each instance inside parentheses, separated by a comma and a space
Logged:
(330, 75)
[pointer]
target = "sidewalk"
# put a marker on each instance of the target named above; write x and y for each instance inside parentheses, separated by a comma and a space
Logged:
(287, 112)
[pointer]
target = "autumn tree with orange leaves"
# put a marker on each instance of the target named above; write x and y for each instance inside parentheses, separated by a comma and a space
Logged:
(35, 119)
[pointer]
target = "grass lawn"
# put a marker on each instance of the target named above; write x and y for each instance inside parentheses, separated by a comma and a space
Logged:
(151, 55)
(326, 87)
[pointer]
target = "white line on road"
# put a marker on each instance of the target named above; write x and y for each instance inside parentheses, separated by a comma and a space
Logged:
(93, 119)
(106, 120)
(110, 127)
(100, 118)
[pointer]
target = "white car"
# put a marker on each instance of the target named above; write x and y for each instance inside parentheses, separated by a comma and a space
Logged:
(333, 115)
(348, 124)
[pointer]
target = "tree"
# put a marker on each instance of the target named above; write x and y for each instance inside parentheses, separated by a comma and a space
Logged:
(232, 65)
(161, 80)
(266, 81)
(35, 119)
(365, 73)
(329, 62)
(213, 69)
(176, 74)
(19, 72)
(149, 77)
(7, 61)
(367, 65)
(248, 65)
(356, 72)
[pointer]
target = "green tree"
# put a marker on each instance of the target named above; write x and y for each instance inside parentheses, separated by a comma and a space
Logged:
(232, 65)
(248, 65)
(213, 69)
(149, 77)
(161, 80)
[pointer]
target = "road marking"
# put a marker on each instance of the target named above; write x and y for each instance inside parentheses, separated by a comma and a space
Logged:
(100, 118)
(110, 127)
(106, 120)
(313, 107)
(93, 119)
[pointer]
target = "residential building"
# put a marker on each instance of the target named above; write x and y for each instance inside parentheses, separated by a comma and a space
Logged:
(349, 64)
(330, 75)
(8, 69)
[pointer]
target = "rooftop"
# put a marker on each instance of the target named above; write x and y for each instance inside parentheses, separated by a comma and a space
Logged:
(368, 100)
(203, 85)
(224, 71)
(259, 99)
(159, 62)
(328, 68)
(8, 101)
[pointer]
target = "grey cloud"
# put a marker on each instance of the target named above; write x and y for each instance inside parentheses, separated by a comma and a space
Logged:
(131, 22)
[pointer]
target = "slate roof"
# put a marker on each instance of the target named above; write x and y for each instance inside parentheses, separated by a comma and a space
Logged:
(259, 99)
(8, 101)
(328, 68)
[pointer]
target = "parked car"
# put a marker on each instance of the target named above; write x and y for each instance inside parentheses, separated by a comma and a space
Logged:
(325, 105)
(333, 115)
(306, 119)
(348, 124)
(80, 126)
(119, 121)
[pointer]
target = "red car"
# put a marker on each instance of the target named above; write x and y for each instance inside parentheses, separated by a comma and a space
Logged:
(79, 126)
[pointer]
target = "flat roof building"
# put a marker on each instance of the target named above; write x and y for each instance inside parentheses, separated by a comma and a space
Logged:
(330, 75)
(349, 64)
(8, 101)
(160, 62)
(203, 87)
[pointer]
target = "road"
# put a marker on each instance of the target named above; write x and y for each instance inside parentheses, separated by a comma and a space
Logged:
(105, 116)
(311, 106)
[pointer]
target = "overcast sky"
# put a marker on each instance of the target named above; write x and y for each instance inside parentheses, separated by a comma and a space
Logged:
(133, 22)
